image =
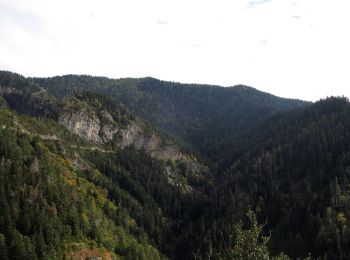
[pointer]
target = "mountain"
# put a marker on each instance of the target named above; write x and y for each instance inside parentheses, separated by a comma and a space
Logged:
(95, 168)
(94, 117)
(208, 120)
(297, 178)
(50, 207)
(106, 176)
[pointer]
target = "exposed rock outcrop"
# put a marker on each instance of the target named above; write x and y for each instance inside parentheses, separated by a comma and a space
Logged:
(86, 125)
(100, 127)
(97, 124)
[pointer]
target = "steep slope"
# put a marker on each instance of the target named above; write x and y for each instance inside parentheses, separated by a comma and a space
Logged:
(101, 121)
(208, 119)
(287, 160)
(50, 210)
(297, 178)
(106, 124)
(25, 96)
(138, 186)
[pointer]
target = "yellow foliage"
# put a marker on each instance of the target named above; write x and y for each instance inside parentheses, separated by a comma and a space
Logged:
(69, 162)
(341, 218)
(73, 182)
(131, 222)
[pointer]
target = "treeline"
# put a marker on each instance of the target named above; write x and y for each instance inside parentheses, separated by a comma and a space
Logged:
(207, 120)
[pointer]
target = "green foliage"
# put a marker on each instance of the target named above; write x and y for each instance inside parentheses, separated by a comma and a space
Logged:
(3, 103)
(249, 244)
(207, 119)
(139, 185)
(46, 206)
(297, 176)
(281, 256)
(24, 96)
(21, 247)
(60, 196)
(3, 247)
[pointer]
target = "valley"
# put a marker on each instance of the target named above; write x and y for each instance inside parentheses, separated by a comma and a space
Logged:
(148, 169)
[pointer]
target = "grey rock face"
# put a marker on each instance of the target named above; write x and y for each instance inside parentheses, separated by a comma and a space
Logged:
(86, 125)
(108, 131)
(89, 126)
(132, 135)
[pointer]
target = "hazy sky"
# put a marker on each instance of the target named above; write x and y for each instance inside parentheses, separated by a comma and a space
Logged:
(290, 48)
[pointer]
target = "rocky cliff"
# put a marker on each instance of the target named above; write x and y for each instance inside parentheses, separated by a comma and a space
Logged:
(100, 125)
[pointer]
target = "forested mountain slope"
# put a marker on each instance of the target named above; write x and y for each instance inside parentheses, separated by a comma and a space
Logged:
(208, 119)
(94, 117)
(297, 178)
(50, 209)
(109, 196)
(82, 176)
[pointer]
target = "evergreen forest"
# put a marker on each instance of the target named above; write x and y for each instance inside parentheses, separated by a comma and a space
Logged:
(99, 168)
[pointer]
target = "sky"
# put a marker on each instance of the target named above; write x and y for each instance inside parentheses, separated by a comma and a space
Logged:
(290, 48)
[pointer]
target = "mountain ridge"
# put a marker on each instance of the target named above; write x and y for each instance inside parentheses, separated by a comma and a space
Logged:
(283, 162)
(190, 113)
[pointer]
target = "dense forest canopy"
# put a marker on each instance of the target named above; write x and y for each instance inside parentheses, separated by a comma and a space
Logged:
(147, 169)
(208, 120)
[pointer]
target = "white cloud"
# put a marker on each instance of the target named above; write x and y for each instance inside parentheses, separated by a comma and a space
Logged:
(254, 3)
(289, 48)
